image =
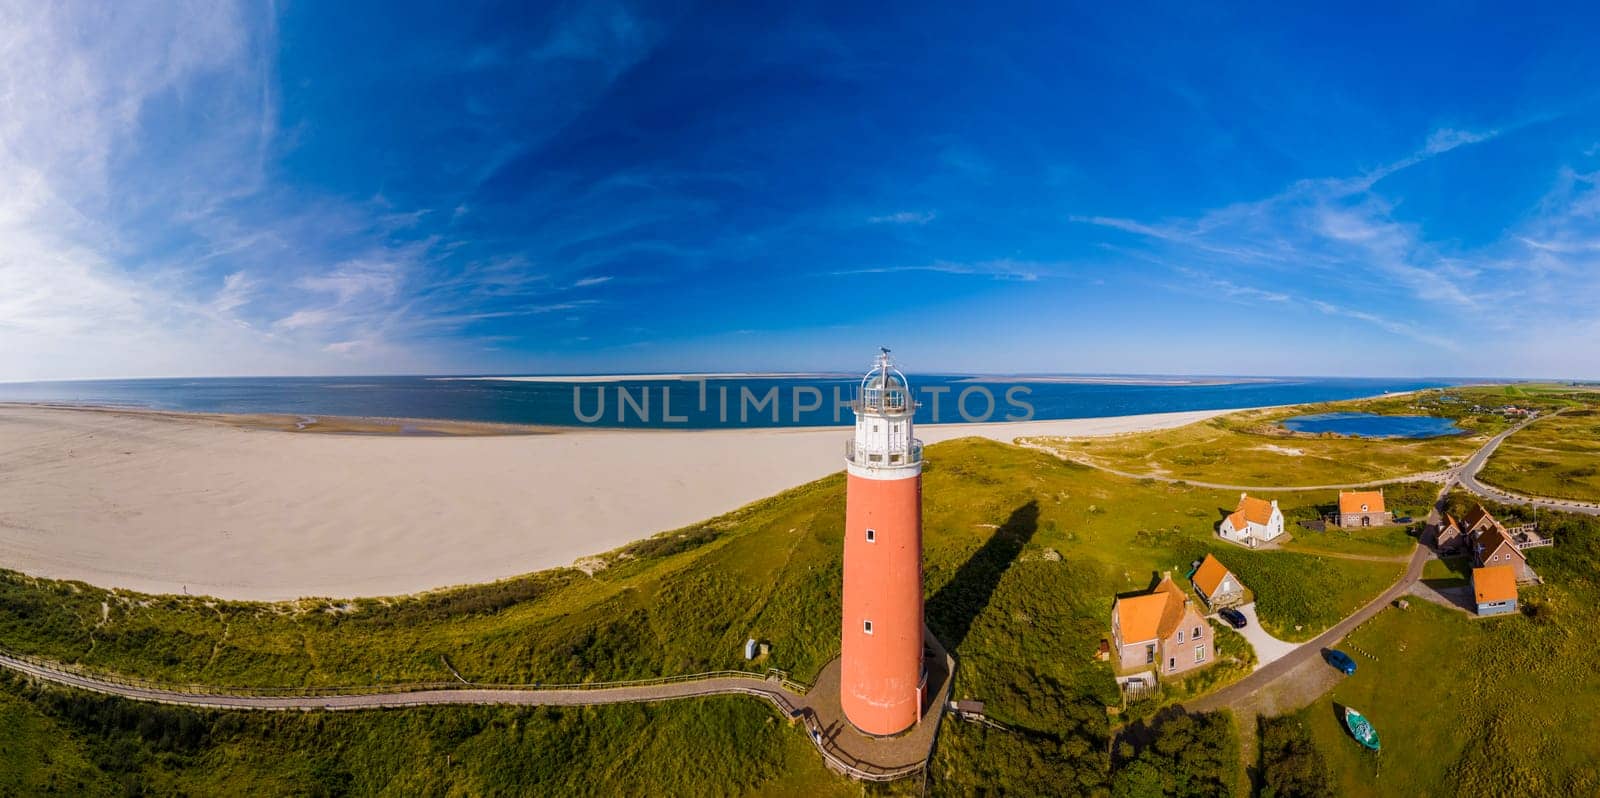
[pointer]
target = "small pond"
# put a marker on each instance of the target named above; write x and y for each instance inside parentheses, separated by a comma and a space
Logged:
(1372, 425)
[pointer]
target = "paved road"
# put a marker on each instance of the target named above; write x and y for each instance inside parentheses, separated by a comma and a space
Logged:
(1268, 673)
(1467, 476)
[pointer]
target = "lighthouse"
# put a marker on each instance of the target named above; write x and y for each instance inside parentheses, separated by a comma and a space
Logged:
(882, 678)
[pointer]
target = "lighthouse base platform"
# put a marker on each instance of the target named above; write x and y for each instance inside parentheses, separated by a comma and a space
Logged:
(867, 757)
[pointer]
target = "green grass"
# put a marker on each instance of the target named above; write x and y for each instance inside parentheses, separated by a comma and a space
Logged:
(1499, 706)
(1556, 456)
(1298, 596)
(39, 757)
(1024, 555)
(84, 744)
(1447, 572)
(1252, 448)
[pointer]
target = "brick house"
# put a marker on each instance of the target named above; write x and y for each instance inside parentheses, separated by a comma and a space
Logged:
(1494, 546)
(1255, 521)
(1358, 508)
(1160, 631)
(1494, 589)
(1451, 538)
(1217, 586)
(1479, 520)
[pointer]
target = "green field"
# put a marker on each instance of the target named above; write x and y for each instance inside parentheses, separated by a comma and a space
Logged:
(1557, 456)
(1024, 556)
(81, 744)
(1466, 706)
(1252, 448)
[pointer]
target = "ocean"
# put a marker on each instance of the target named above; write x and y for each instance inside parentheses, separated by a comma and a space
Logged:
(689, 403)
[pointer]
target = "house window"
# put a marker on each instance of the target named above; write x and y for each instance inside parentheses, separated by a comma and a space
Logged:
(872, 536)
(874, 427)
(866, 626)
(1180, 635)
(1172, 663)
(1149, 655)
(1196, 635)
(1199, 653)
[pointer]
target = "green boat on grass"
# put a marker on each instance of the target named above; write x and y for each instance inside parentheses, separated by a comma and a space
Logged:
(1360, 728)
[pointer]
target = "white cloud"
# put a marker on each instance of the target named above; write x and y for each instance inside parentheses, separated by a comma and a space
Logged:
(1525, 303)
(999, 269)
(588, 281)
(87, 105)
(904, 217)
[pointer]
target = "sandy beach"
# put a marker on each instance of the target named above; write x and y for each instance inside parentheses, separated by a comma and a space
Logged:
(168, 503)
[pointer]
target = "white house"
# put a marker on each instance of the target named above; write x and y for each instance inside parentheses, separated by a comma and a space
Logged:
(1256, 521)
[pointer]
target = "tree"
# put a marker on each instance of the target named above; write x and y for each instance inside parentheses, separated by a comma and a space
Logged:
(1178, 754)
(1291, 764)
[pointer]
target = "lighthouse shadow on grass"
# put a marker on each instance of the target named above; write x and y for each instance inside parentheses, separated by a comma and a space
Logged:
(952, 610)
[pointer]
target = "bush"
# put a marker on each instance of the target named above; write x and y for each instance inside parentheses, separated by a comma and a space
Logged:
(1291, 764)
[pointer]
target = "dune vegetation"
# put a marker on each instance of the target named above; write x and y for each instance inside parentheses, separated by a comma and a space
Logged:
(1252, 448)
(1556, 456)
(1465, 705)
(1024, 556)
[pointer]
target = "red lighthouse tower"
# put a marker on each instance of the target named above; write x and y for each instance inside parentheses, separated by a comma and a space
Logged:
(881, 669)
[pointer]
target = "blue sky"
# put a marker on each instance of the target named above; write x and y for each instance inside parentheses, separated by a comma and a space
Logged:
(316, 188)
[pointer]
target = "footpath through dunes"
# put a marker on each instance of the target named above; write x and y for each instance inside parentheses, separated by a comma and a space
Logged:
(816, 707)
(164, 504)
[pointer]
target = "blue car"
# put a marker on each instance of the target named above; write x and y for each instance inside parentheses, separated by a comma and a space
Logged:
(1341, 660)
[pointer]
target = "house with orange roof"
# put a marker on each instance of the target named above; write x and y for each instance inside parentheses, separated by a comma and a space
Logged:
(1494, 546)
(1160, 632)
(1494, 589)
(1359, 508)
(1216, 585)
(1256, 521)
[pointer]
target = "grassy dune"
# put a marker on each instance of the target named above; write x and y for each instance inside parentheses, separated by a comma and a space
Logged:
(1024, 556)
(685, 601)
(81, 744)
(1253, 448)
(1557, 456)
(1499, 706)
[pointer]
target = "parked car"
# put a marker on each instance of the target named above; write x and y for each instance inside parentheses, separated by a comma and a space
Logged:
(1234, 617)
(1340, 660)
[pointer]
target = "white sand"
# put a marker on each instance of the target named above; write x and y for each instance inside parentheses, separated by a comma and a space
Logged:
(163, 505)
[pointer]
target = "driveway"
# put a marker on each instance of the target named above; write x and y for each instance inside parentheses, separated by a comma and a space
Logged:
(1268, 648)
(1267, 674)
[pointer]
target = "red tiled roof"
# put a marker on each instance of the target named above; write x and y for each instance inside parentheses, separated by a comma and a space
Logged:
(1360, 501)
(1254, 511)
(1154, 615)
(1495, 583)
(1208, 577)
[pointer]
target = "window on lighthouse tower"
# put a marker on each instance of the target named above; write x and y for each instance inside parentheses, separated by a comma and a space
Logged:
(872, 535)
(866, 626)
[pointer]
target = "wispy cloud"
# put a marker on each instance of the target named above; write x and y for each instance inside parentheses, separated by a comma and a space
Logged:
(1343, 235)
(999, 269)
(122, 255)
(904, 217)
